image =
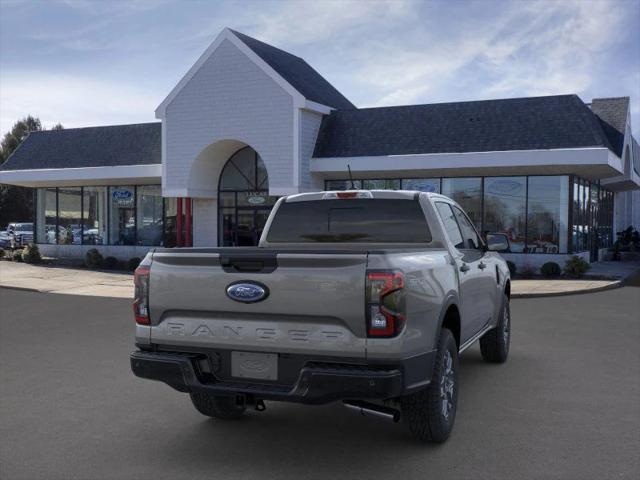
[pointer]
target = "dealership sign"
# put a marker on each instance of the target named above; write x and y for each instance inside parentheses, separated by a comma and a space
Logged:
(122, 197)
(505, 187)
(256, 198)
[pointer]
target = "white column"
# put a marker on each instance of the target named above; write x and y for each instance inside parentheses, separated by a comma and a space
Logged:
(205, 222)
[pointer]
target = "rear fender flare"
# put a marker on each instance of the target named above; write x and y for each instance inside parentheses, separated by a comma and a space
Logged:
(451, 298)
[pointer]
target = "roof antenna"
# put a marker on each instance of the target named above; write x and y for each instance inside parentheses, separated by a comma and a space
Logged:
(353, 185)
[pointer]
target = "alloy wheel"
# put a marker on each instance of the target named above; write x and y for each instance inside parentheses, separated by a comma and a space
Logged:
(447, 385)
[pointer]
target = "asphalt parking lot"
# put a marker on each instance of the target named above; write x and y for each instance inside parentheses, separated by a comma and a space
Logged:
(564, 406)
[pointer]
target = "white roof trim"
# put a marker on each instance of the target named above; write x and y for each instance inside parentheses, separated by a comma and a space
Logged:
(227, 34)
(42, 177)
(317, 107)
(469, 160)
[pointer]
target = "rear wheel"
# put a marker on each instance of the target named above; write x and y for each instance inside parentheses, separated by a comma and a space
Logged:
(494, 345)
(431, 412)
(223, 407)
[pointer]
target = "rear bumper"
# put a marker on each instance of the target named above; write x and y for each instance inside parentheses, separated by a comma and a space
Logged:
(317, 383)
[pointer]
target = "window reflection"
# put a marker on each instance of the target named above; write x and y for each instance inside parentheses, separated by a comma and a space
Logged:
(548, 201)
(170, 222)
(422, 184)
(69, 216)
(94, 216)
(342, 184)
(149, 215)
(376, 184)
(104, 215)
(541, 229)
(505, 204)
(467, 192)
(450, 224)
(46, 215)
(122, 219)
(243, 199)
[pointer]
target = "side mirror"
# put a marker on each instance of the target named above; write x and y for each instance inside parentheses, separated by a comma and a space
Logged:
(497, 242)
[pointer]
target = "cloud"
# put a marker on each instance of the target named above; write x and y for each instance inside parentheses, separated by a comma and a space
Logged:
(376, 52)
(123, 7)
(534, 48)
(297, 22)
(558, 51)
(89, 25)
(72, 100)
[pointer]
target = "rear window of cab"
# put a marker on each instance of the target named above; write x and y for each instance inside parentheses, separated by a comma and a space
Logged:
(358, 220)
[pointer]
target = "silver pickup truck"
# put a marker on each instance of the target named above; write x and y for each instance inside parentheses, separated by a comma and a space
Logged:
(365, 297)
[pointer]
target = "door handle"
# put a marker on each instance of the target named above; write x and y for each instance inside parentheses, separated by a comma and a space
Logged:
(482, 266)
(464, 267)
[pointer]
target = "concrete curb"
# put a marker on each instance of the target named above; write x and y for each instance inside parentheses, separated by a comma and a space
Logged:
(612, 286)
(24, 289)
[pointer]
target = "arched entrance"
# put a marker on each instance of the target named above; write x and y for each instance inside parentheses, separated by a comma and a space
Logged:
(243, 199)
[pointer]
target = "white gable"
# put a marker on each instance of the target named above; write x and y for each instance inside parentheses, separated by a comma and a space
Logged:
(229, 36)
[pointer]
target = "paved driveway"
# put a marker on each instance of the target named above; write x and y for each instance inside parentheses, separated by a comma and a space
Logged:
(564, 406)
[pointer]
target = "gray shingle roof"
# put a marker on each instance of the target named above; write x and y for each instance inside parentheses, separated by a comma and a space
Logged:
(298, 73)
(552, 122)
(612, 113)
(109, 146)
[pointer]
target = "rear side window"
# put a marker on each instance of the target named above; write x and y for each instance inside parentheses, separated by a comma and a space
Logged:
(470, 237)
(367, 220)
(450, 224)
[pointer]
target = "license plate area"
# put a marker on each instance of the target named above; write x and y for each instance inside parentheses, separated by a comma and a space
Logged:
(252, 365)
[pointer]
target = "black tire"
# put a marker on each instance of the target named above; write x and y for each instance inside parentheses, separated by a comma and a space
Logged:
(424, 411)
(494, 345)
(222, 407)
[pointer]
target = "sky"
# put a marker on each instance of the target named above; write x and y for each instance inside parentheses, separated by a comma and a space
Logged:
(85, 63)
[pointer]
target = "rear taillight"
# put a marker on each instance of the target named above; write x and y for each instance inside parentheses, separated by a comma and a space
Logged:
(141, 296)
(385, 303)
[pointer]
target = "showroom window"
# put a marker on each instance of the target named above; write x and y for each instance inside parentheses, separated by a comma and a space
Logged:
(46, 215)
(592, 217)
(70, 216)
(421, 184)
(505, 209)
(342, 184)
(582, 217)
(547, 214)
(169, 237)
(575, 214)
(149, 215)
(377, 184)
(535, 222)
(94, 214)
(122, 217)
(102, 215)
(467, 192)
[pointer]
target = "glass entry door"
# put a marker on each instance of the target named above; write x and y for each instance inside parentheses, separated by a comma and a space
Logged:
(244, 228)
(243, 200)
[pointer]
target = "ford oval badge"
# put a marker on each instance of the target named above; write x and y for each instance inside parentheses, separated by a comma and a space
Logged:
(247, 291)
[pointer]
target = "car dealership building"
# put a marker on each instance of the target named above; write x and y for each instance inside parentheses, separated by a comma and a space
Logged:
(249, 123)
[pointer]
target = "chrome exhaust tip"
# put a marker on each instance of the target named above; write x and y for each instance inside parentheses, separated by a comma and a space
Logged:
(371, 409)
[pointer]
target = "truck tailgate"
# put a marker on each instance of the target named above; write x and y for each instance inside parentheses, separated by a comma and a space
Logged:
(315, 301)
